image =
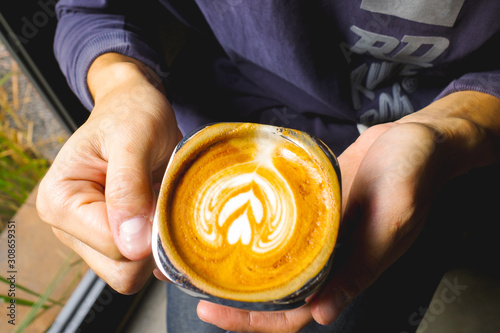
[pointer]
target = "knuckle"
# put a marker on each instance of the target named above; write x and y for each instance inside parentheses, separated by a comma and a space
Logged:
(271, 322)
(289, 325)
(364, 275)
(400, 227)
(124, 281)
(125, 286)
(368, 273)
(43, 203)
(62, 236)
(253, 320)
(41, 207)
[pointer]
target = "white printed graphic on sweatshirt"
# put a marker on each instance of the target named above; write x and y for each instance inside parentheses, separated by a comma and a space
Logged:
(441, 13)
(415, 50)
(400, 60)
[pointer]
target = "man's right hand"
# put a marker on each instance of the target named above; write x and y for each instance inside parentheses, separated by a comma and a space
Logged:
(99, 194)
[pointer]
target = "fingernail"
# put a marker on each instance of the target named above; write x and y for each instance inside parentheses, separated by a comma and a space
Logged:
(202, 312)
(135, 235)
(332, 305)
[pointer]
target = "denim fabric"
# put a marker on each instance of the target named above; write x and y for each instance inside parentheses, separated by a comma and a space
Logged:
(393, 303)
(459, 232)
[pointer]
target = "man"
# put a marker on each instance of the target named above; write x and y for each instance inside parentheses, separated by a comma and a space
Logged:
(423, 78)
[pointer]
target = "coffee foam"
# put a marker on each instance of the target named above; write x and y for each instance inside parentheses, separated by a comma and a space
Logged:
(233, 210)
(229, 197)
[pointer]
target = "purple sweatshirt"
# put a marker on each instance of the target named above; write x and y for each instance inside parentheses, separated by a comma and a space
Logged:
(327, 67)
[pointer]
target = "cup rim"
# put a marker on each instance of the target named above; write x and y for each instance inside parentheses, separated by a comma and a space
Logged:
(292, 300)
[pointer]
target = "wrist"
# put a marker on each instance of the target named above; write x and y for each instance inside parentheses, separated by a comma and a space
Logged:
(112, 70)
(466, 130)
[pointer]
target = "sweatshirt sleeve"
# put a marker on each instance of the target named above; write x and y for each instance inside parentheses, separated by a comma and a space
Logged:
(486, 82)
(89, 28)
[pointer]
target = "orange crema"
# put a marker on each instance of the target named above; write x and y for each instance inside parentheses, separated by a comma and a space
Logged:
(250, 215)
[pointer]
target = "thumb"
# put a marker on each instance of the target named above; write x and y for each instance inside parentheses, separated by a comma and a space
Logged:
(347, 283)
(130, 201)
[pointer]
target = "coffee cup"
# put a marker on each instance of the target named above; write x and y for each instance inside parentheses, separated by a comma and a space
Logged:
(247, 216)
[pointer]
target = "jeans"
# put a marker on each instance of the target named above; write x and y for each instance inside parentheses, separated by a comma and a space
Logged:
(389, 305)
(458, 232)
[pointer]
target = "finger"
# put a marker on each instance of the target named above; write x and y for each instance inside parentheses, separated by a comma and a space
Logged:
(124, 276)
(160, 276)
(130, 197)
(346, 284)
(71, 198)
(233, 319)
(358, 263)
(365, 260)
(385, 227)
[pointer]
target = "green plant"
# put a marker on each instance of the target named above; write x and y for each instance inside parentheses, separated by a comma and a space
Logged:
(21, 165)
(44, 302)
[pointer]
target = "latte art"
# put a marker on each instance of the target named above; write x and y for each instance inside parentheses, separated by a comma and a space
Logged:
(240, 204)
(249, 215)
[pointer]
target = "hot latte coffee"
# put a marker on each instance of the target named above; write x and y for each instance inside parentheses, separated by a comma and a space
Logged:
(248, 212)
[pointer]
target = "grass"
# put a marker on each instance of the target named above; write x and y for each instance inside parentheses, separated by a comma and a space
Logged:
(21, 168)
(21, 164)
(43, 300)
